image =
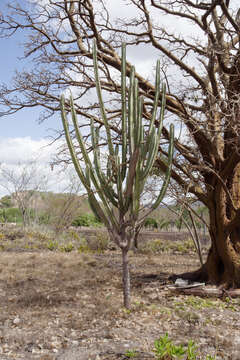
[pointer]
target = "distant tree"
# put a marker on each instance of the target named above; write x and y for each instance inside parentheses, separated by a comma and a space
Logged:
(22, 183)
(11, 215)
(61, 209)
(6, 201)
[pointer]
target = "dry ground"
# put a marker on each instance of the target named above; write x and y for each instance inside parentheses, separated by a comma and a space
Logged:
(68, 306)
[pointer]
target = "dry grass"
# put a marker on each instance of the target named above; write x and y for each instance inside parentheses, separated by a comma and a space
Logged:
(52, 301)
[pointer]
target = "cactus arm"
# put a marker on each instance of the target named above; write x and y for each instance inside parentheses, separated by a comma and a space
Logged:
(156, 97)
(138, 183)
(93, 174)
(136, 193)
(139, 128)
(106, 208)
(135, 110)
(124, 112)
(152, 153)
(109, 171)
(119, 185)
(163, 105)
(154, 137)
(151, 128)
(99, 94)
(107, 189)
(131, 174)
(70, 145)
(97, 210)
(78, 134)
(168, 172)
(131, 112)
(76, 163)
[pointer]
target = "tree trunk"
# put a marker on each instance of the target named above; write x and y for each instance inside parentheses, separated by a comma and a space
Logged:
(126, 279)
(222, 267)
(223, 262)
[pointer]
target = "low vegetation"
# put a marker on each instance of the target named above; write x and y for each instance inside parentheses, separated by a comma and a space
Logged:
(64, 292)
(15, 238)
(159, 245)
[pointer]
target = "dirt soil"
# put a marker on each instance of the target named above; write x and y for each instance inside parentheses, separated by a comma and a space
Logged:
(68, 306)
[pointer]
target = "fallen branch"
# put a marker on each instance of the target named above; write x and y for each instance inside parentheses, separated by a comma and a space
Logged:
(206, 292)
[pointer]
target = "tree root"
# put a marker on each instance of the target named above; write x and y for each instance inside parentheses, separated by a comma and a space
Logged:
(199, 275)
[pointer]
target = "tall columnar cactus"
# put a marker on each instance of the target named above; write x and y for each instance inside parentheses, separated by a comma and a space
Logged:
(114, 193)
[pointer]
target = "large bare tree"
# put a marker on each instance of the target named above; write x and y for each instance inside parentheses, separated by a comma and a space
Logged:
(201, 60)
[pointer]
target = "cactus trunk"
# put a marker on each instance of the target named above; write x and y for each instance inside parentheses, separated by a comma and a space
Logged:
(126, 279)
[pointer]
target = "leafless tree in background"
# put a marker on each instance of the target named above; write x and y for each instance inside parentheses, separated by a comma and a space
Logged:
(203, 80)
(62, 209)
(23, 183)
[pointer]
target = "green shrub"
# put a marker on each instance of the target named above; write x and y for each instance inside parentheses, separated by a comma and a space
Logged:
(44, 219)
(151, 223)
(155, 246)
(73, 235)
(67, 248)
(11, 215)
(6, 201)
(86, 220)
(165, 349)
(52, 245)
(183, 246)
(158, 246)
(131, 354)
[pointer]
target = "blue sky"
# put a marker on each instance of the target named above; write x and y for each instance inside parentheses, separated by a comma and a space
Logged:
(22, 139)
(24, 122)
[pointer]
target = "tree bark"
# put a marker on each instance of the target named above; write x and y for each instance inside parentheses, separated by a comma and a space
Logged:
(222, 267)
(126, 279)
(223, 261)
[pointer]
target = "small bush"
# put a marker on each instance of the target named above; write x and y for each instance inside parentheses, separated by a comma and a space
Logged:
(52, 245)
(73, 235)
(12, 234)
(131, 354)
(151, 223)
(158, 246)
(165, 349)
(67, 248)
(103, 241)
(155, 246)
(44, 219)
(84, 247)
(86, 220)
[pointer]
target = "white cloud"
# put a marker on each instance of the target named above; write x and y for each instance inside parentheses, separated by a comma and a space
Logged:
(17, 153)
(23, 150)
